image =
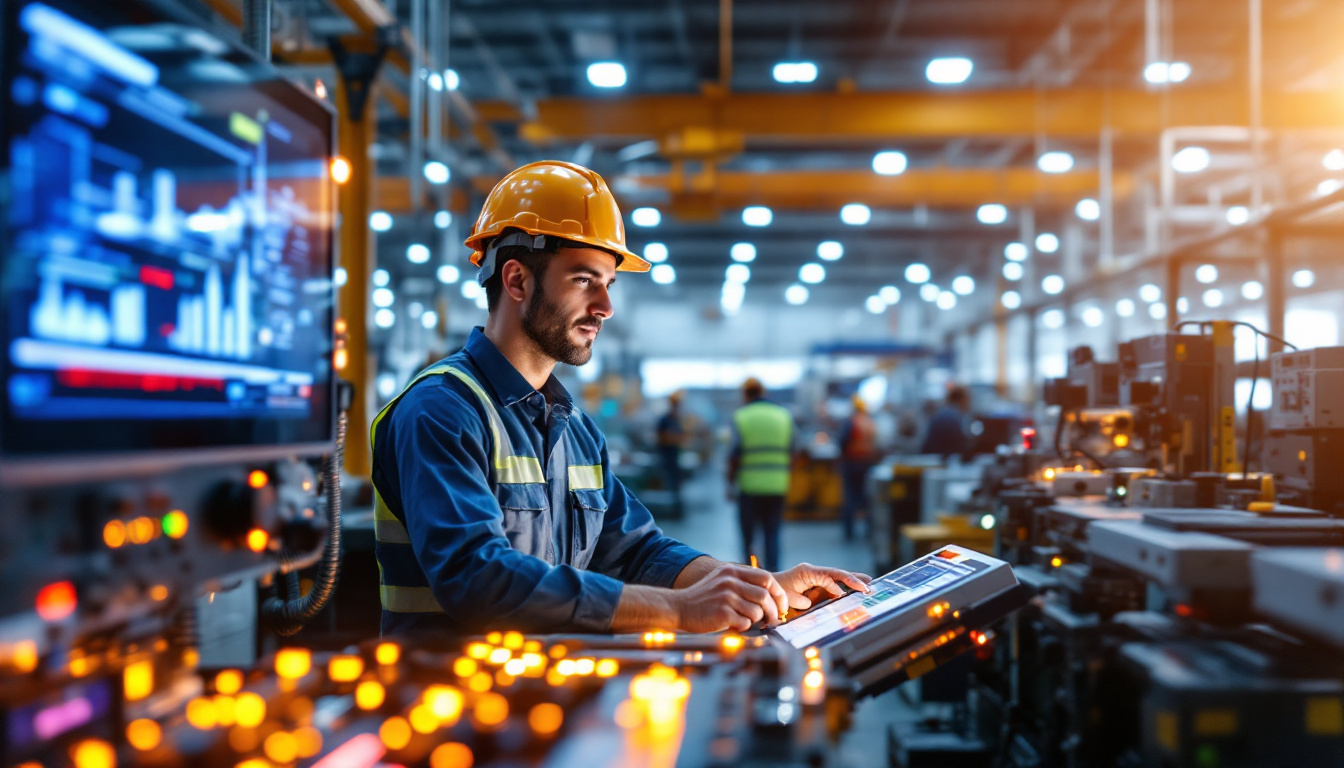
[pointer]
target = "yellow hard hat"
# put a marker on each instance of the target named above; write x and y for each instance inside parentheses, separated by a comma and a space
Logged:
(555, 198)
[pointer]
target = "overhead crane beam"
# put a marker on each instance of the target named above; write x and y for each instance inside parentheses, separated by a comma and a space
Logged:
(873, 117)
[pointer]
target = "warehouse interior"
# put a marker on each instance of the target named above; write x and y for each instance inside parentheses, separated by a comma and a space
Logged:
(944, 383)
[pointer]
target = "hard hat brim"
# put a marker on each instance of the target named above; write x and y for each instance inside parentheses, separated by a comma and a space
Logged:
(629, 261)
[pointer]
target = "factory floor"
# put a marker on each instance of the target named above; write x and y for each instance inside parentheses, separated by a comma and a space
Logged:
(710, 525)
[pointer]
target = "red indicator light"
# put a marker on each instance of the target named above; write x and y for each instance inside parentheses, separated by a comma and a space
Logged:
(56, 601)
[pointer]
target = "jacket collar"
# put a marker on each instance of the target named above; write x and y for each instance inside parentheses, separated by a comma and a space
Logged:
(508, 384)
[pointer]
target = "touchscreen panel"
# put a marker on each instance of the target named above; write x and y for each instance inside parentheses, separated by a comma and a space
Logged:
(889, 593)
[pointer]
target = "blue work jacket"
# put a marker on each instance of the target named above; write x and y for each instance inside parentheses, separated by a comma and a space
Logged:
(497, 511)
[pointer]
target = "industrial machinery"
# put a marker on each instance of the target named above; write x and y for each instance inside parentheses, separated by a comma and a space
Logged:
(170, 451)
(1185, 611)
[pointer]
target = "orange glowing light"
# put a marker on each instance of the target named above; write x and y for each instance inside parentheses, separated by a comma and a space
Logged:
(554, 678)
(144, 734)
(281, 747)
(499, 656)
(1048, 473)
(57, 601)
(494, 638)
(444, 702)
(370, 695)
(138, 680)
(451, 755)
(545, 718)
(811, 653)
(293, 663)
(608, 668)
(229, 682)
(249, 710)
(558, 651)
(814, 663)
(387, 654)
(140, 530)
(814, 679)
(320, 89)
(981, 639)
(226, 710)
(340, 169)
(481, 682)
(532, 646)
(158, 593)
(464, 667)
(732, 643)
(309, 741)
(584, 667)
(201, 713)
(93, 753)
(565, 667)
(24, 656)
(114, 533)
(937, 610)
(257, 479)
(513, 641)
(345, 669)
(1121, 440)
(422, 719)
(1056, 561)
(491, 710)
(395, 733)
(478, 651)
(340, 359)
(257, 539)
(514, 667)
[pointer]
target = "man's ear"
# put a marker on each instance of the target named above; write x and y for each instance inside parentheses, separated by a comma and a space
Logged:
(514, 278)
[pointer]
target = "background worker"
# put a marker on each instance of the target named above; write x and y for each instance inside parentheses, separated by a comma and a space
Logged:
(858, 455)
(946, 435)
(763, 446)
(671, 439)
(496, 507)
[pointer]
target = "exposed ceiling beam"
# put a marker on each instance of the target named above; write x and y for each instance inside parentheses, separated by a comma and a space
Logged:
(875, 117)
(935, 187)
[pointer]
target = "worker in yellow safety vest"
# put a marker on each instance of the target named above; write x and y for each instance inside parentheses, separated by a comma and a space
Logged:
(764, 439)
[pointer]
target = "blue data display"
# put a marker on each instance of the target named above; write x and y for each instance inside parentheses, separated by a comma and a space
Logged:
(168, 234)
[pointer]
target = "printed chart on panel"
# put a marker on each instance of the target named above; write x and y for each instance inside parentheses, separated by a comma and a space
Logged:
(165, 244)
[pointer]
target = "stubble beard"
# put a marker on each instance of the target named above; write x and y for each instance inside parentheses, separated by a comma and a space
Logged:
(545, 323)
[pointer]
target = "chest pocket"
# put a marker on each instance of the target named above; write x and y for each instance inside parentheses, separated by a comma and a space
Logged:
(590, 512)
(526, 520)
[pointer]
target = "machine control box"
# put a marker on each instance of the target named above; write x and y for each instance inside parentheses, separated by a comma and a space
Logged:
(1308, 389)
(1302, 588)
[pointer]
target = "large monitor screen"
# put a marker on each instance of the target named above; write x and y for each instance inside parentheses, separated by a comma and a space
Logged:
(167, 237)
(889, 593)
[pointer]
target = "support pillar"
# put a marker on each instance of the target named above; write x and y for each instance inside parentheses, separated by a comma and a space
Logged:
(1276, 290)
(356, 131)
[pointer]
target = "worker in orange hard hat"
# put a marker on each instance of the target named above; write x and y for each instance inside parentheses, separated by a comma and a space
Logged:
(495, 504)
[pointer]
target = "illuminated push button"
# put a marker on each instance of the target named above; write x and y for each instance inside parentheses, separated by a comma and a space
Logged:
(387, 653)
(175, 524)
(57, 601)
(345, 669)
(370, 695)
(250, 710)
(144, 735)
(395, 733)
(114, 534)
(93, 753)
(451, 755)
(545, 718)
(293, 663)
(229, 682)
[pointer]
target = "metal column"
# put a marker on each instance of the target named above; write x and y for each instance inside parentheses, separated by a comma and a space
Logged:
(257, 26)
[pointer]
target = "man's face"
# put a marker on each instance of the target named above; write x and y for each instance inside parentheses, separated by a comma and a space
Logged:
(570, 303)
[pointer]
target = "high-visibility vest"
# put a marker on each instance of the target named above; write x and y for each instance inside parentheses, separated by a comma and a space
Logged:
(765, 435)
(403, 587)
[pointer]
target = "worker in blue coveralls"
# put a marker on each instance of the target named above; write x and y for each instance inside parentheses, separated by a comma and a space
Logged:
(495, 505)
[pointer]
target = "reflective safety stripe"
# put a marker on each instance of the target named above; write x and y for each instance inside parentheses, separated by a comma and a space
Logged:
(386, 527)
(409, 599)
(508, 467)
(586, 478)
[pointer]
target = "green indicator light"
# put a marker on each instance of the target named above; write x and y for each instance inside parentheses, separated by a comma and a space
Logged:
(175, 524)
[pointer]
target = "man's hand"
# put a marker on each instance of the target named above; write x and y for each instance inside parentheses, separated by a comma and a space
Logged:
(803, 577)
(730, 597)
